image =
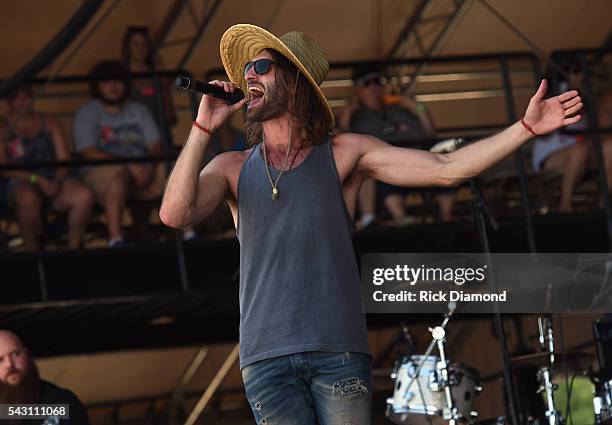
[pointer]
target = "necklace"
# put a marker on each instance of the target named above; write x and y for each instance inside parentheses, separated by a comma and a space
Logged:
(274, 183)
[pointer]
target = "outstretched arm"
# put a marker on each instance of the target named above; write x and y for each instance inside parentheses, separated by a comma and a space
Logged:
(408, 167)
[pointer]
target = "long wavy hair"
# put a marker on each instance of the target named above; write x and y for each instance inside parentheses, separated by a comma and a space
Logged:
(307, 110)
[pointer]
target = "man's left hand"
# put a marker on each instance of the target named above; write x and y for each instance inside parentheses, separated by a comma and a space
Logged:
(546, 115)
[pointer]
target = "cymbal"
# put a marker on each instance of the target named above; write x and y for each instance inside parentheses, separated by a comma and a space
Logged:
(542, 359)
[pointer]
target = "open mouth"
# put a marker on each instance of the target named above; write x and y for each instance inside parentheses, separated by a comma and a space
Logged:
(256, 94)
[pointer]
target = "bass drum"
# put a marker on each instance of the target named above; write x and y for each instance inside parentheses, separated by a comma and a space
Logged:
(420, 400)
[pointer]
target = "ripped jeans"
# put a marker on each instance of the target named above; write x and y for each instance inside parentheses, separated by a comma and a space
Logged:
(310, 388)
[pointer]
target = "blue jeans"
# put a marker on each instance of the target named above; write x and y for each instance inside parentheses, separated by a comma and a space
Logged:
(310, 388)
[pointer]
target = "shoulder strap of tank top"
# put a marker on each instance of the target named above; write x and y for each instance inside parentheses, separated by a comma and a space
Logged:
(330, 154)
(253, 150)
(330, 151)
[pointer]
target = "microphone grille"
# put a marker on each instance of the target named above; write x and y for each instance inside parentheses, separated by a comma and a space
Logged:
(182, 82)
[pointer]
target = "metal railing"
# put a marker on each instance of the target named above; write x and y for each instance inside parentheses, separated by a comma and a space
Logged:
(167, 157)
(502, 60)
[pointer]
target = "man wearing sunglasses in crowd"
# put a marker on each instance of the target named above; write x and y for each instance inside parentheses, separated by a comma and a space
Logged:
(304, 353)
(400, 121)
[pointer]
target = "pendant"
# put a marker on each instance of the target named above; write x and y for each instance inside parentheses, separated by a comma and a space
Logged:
(274, 193)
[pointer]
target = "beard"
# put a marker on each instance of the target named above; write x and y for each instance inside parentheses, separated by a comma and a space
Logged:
(27, 391)
(273, 104)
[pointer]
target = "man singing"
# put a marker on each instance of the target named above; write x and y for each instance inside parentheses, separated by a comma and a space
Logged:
(303, 343)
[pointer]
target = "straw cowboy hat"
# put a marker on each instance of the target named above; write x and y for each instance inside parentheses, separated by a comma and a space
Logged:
(242, 42)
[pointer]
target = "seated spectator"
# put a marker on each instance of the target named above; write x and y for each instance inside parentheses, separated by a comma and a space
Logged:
(604, 112)
(20, 383)
(137, 54)
(565, 153)
(27, 136)
(604, 120)
(108, 127)
(398, 120)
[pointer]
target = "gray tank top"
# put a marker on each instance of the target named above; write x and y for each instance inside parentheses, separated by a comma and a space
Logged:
(299, 281)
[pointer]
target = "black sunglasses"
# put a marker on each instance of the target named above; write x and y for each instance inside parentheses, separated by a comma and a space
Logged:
(377, 81)
(261, 66)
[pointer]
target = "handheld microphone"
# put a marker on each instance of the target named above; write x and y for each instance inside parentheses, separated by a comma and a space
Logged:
(187, 83)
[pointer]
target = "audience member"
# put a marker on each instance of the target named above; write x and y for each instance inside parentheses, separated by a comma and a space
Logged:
(27, 136)
(566, 154)
(109, 127)
(604, 120)
(137, 54)
(20, 383)
(399, 120)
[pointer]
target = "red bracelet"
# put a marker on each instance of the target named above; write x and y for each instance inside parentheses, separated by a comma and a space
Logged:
(204, 129)
(528, 127)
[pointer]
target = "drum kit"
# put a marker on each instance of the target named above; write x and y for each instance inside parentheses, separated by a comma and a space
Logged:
(432, 390)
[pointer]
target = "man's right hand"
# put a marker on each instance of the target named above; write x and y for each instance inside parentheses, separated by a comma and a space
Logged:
(213, 112)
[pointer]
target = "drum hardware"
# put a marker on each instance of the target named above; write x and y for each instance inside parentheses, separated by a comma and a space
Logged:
(546, 339)
(410, 407)
(444, 390)
(545, 362)
(602, 398)
(602, 401)
(404, 338)
(449, 412)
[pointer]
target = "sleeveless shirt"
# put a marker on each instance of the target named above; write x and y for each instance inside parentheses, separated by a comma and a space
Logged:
(299, 280)
(38, 148)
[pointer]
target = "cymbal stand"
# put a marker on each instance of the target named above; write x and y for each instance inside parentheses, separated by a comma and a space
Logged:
(546, 340)
(450, 412)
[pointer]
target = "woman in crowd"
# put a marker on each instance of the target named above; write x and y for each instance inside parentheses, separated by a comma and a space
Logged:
(29, 136)
(137, 55)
